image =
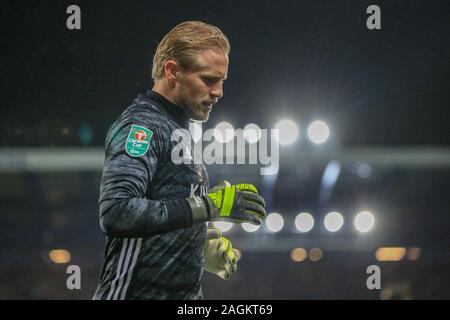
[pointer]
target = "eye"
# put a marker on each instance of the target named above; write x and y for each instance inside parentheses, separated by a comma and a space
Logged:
(208, 80)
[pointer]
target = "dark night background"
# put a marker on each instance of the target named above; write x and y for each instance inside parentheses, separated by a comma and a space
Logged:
(288, 58)
(385, 89)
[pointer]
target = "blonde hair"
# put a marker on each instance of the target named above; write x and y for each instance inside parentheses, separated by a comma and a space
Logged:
(185, 42)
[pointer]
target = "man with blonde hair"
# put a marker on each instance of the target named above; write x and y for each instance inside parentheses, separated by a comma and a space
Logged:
(155, 212)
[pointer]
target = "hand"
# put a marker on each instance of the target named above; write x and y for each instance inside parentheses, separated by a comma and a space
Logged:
(236, 203)
(220, 258)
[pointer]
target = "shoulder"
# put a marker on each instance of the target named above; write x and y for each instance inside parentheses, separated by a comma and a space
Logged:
(142, 113)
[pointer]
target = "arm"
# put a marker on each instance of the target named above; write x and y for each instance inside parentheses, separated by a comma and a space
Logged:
(124, 209)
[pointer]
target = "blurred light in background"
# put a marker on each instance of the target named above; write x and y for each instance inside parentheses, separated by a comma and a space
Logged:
(224, 132)
(390, 253)
(315, 254)
(59, 256)
(65, 131)
(288, 132)
(386, 294)
(414, 253)
(363, 170)
(224, 226)
(299, 254)
(274, 222)
(397, 290)
(364, 221)
(250, 227)
(304, 222)
(195, 128)
(333, 221)
(318, 132)
(85, 134)
(331, 174)
(252, 133)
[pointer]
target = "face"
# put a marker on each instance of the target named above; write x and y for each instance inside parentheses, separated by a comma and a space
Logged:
(200, 89)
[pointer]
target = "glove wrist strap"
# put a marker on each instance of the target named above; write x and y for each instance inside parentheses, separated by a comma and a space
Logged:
(199, 208)
(207, 206)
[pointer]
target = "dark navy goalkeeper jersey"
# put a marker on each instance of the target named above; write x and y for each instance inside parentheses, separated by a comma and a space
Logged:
(153, 251)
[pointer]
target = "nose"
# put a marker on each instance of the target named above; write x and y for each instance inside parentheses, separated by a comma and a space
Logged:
(217, 91)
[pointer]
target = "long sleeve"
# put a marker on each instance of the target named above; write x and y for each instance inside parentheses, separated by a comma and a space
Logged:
(125, 210)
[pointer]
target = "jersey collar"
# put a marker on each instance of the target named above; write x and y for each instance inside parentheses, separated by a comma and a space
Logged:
(175, 111)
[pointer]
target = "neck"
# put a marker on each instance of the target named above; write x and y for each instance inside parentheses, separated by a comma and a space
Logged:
(163, 88)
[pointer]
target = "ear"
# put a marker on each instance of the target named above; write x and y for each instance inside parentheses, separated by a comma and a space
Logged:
(171, 68)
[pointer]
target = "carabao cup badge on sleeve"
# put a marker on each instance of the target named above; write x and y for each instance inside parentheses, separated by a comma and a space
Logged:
(138, 141)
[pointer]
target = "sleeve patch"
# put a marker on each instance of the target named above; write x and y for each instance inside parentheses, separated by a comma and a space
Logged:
(138, 141)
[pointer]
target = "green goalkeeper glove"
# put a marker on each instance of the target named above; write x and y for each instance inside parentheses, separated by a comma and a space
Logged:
(234, 203)
(220, 258)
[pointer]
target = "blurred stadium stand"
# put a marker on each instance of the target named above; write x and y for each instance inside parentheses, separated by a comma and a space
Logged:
(49, 201)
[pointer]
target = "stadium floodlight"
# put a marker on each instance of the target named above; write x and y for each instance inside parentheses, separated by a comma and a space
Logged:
(318, 132)
(315, 254)
(59, 256)
(224, 226)
(274, 222)
(414, 253)
(224, 132)
(288, 132)
(250, 227)
(333, 221)
(252, 133)
(299, 254)
(363, 170)
(304, 222)
(364, 221)
(390, 253)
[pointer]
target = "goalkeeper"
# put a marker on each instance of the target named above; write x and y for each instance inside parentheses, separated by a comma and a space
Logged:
(154, 212)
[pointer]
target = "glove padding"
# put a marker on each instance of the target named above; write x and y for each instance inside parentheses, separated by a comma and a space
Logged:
(220, 258)
(236, 203)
